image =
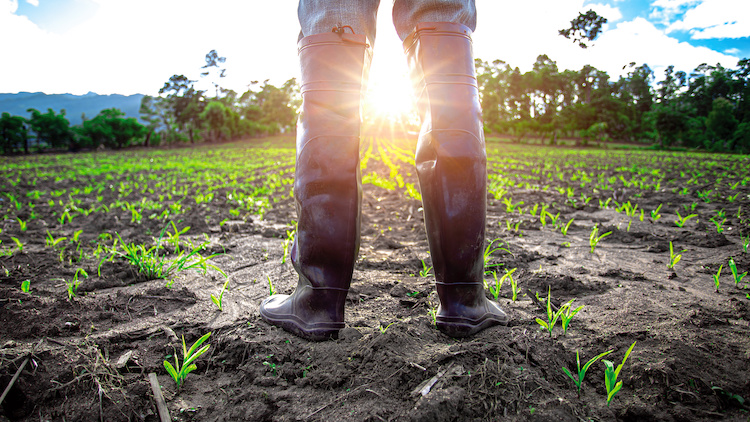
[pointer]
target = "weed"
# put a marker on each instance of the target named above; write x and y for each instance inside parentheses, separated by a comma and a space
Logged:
(578, 379)
(179, 373)
(673, 257)
(595, 238)
(716, 278)
(735, 273)
(611, 374)
(219, 300)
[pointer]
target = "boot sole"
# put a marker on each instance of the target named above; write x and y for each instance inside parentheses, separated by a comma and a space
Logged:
(313, 332)
(457, 327)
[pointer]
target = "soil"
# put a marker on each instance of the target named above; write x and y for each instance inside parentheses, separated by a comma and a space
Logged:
(89, 356)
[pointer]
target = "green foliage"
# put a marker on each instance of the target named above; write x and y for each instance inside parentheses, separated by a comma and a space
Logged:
(578, 379)
(552, 317)
(735, 273)
(25, 286)
(611, 374)
(111, 129)
(673, 257)
(425, 271)
(180, 372)
(716, 278)
(14, 133)
(50, 128)
(595, 237)
(220, 299)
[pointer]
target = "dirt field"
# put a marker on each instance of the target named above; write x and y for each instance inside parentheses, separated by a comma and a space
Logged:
(89, 355)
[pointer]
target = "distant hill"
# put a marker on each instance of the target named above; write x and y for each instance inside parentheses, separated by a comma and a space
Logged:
(74, 105)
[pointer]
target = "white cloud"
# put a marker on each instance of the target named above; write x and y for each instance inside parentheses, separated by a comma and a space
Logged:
(612, 14)
(716, 19)
(33, 2)
(666, 11)
(732, 51)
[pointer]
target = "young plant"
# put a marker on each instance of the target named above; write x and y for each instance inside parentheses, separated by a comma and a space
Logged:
(655, 213)
(719, 224)
(22, 224)
(219, 300)
(425, 271)
(611, 373)
(552, 317)
(287, 243)
(179, 373)
(716, 278)
(271, 289)
(735, 273)
(488, 254)
(513, 283)
(745, 242)
(595, 238)
(25, 286)
(567, 315)
(578, 379)
(384, 329)
(673, 257)
(564, 229)
(682, 220)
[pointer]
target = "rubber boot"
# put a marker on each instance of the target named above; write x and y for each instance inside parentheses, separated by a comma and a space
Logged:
(452, 168)
(327, 186)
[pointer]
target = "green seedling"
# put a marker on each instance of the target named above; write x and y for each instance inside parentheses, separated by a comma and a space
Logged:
(640, 217)
(433, 314)
(271, 289)
(730, 396)
(673, 257)
(552, 317)
(287, 243)
(219, 300)
(719, 224)
(564, 229)
(488, 253)
(384, 329)
(179, 373)
(52, 242)
(595, 238)
(495, 288)
(513, 283)
(25, 286)
(716, 278)
(425, 271)
(578, 379)
(611, 374)
(735, 273)
(554, 218)
(655, 213)
(680, 222)
(745, 242)
(19, 245)
(22, 224)
(567, 314)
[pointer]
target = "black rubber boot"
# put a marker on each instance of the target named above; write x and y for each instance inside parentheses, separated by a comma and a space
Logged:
(451, 164)
(327, 186)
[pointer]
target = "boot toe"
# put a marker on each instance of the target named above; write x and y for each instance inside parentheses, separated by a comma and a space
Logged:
(278, 310)
(472, 321)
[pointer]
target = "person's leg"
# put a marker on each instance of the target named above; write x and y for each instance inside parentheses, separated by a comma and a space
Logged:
(408, 13)
(451, 166)
(327, 186)
(319, 16)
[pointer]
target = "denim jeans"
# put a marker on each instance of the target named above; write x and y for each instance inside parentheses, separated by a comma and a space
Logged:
(318, 16)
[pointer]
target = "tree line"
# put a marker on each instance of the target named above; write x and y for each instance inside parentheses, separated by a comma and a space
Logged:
(707, 108)
(180, 113)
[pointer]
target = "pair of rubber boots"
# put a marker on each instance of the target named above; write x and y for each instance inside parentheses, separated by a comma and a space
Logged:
(451, 166)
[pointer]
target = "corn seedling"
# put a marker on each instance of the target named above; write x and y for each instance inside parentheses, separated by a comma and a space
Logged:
(680, 222)
(578, 379)
(735, 273)
(179, 373)
(25, 286)
(433, 313)
(567, 314)
(287, 242)
(564, 229)
(384, 329)
(219, 300)
(655, 213)
(488, 253)
(719, 224)
(425, 271)
(611, 373)
(19, 245)
(716, 277)
(22, 224)
(552, 317)
(745, 242)
(673, 257)
(271, 289)
(595, 238)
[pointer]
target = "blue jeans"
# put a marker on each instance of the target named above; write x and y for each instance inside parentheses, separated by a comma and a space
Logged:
(318, 16)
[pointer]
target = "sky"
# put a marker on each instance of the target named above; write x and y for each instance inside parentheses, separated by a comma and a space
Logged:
(134, 46)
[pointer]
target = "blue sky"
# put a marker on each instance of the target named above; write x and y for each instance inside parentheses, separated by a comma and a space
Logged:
(134, 46)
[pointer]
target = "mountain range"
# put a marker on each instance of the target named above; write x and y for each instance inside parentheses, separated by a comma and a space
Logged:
(74, 105)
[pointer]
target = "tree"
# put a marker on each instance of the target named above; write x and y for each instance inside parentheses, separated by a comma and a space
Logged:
(217, 116)
(13, 133)
(721, 122)
(50, 128)
(112, 129)
(212, 64)
(585, 27)
(185, 103)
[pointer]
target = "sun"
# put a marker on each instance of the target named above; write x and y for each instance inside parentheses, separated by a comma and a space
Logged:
(389, 102)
